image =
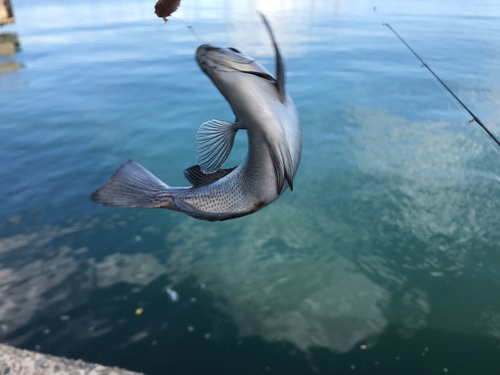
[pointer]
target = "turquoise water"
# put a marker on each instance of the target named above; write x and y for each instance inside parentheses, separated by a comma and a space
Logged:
(385, 258)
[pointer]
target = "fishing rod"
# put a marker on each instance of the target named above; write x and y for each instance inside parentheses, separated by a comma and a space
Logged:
(474, 117)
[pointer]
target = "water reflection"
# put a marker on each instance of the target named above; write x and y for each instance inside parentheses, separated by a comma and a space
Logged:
(297, 289)
(331, 284)
(280, 283)
(9, 45)
(59, 277)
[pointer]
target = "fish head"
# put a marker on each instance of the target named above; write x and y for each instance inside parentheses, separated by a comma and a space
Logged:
(230, 70)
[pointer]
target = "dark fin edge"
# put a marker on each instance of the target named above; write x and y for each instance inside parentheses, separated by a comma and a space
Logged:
(197, 178)
(280, 67)
(282, 161)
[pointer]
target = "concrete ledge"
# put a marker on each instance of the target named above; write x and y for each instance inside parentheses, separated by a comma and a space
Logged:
(6, 21)
(6, 12)
(23, 362)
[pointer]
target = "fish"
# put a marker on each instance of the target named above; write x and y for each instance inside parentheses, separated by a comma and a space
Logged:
(264, 109)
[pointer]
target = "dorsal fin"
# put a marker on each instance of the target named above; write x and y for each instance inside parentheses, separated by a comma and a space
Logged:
(198, 179)
(280, 67)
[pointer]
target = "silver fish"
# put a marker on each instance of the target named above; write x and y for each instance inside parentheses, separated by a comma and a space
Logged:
(264, 109)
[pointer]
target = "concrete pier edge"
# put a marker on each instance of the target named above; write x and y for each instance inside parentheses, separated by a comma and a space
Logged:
(15, 361)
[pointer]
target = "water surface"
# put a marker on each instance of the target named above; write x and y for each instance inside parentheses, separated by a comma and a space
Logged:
(385, 257)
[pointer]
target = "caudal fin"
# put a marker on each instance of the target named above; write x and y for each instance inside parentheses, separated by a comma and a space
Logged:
(132, 186)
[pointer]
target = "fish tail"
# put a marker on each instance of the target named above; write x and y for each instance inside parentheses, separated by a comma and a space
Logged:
(134, 186)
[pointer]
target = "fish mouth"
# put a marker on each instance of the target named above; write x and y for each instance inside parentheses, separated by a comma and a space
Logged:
(227, 57)
(203, 49)
(212, 59)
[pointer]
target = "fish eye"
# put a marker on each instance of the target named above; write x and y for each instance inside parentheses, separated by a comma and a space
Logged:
(233, 49)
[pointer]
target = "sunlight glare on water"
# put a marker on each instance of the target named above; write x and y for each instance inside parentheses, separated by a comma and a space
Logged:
(383, 259)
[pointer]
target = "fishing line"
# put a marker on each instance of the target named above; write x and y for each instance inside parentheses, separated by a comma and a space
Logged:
(195, 34)
(474, 117)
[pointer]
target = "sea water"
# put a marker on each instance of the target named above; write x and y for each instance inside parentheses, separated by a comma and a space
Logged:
(384, 259)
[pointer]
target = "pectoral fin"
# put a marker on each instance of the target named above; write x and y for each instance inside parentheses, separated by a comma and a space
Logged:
(214, 141)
